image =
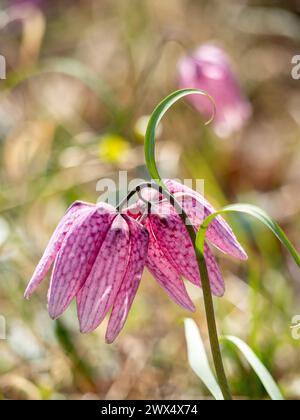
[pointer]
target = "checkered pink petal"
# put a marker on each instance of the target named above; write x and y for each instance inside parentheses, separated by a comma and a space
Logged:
(77, 256)
(214, 274)
(69, 219)
(176, 244)
(174, 240)
(165, 273)
(138, 253)
(197, 208)
(102, 285)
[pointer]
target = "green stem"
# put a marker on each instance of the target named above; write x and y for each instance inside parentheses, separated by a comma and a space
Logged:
(212, 328)
(208, 301)
(207, 295)
(210, 312)
(150, 137)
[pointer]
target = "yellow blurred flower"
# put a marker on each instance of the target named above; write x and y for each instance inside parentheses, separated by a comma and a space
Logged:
(112, 148)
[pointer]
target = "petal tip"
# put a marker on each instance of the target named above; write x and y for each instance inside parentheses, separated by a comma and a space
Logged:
(192, 308)
(84, 330)
(86, 327)
(219, 294)
(54, 313)
(188, 305)
(109, 339)
(27, 294)
(243, 256)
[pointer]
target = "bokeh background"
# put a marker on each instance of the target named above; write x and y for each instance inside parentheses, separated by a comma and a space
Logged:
(80, 75)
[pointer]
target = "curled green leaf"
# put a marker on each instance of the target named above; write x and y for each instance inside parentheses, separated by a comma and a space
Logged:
(154, 121)
(256, 212)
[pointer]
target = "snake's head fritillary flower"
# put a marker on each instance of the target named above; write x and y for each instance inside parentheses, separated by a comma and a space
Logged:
(99, 257)
(171, 254)
(209, 69)
(99, 254)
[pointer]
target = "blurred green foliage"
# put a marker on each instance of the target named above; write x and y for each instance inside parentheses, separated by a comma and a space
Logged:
(78, 71)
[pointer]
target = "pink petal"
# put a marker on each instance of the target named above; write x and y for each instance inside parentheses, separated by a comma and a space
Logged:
(173, 238)
(54, 245)
(77, 256)
(215, 277)
(101, 287)
(171, 234)
(138, 254)
(165, 273)
(197, 208)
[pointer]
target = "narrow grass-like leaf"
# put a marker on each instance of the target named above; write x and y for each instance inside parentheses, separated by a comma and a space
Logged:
(260, 215)
(261, 371)
(198, 359)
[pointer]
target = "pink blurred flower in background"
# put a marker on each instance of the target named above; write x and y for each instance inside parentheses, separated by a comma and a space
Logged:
(209, 69)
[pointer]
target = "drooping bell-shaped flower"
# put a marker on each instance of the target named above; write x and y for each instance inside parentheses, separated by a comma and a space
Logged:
(99, 254)
(99, 257)
(171, 254)
(209, 69)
